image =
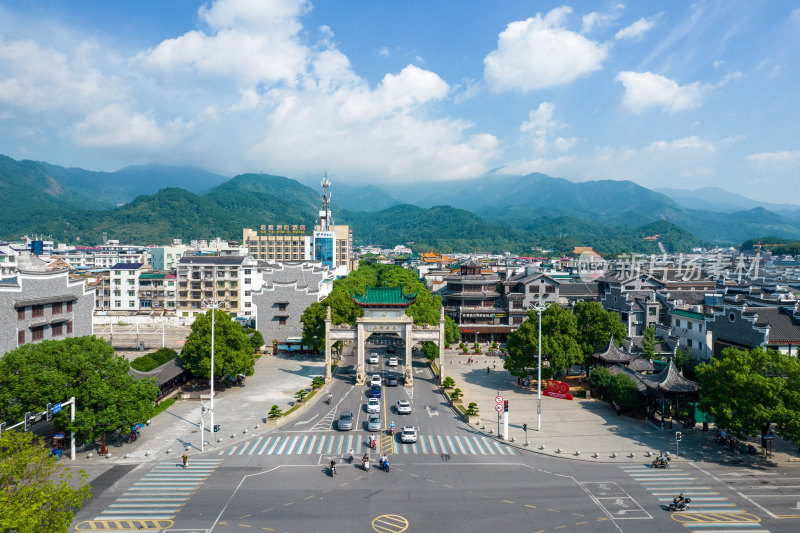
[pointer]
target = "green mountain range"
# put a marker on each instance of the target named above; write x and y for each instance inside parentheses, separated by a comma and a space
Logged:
(516, 214)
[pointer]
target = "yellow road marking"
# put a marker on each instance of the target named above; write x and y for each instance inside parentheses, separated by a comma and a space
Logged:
(244, 525)
(508, 501)
(243, 516)
(448, 486)
(577, 514)
(428, 479)
(326, 490)
(267, 529)
(700, 518)
(267, 510)
(561, 527)
(308, 497)
(389, 523)
(345, 483)
(413, 475)
(580, 523)
(288, 504)
(554, 510)
(531, 506)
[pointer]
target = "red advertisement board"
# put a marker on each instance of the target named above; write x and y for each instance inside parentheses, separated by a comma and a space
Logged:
(557, 389)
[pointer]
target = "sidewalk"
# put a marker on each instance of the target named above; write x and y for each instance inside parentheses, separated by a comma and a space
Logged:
(580, 428)
(237, 410)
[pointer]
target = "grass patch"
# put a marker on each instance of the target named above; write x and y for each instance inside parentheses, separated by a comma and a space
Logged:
(163, 406)
(580, 394)
(461, 408)
(434, 367)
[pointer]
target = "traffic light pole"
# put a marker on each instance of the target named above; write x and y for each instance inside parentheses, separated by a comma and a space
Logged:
(31, 417)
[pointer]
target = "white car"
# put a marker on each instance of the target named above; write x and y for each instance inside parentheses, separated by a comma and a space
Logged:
(374, 405)
(376, 380)
(393, 361)
(403, 407)
(409, 434)
(373, 358)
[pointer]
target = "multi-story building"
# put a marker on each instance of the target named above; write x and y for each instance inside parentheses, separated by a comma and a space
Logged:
(37, 304)
(125, 286)
(8, 261)
(157, 292)
(206, 278)
(526, 288)
(473, 300)
(167, 257)
(689, 327)
(289, 288)
(275, 244)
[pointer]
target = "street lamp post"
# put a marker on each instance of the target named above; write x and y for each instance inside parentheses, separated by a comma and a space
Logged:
(213, 304)
(539, 307)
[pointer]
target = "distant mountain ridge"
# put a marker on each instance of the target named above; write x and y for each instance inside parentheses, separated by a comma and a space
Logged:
(716, 199)
(514, 212)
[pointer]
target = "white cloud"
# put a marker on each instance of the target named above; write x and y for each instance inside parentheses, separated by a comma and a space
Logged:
(541, 126)
(637, 29)
(686, 143)
(116, 126)
(538, 52)
(383, 52)
(779, 159)
(644, 90)
(596, 19)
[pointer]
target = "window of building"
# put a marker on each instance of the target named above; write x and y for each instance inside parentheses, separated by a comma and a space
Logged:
(688, 325)
(21, 313)
(117, 304)
(57, 330)
(282, 306)
(37, 334)
(117, 273)
(533, 289)
(247, 272)
(699, 345)
(677, 323)
(21, 337)
(247, 280)
(699, 327)
(37, 311)
(247, 304)
(518, 320)
(550, 289)
(689, 343)
(281, 320)
(57, 308)
(69, 327)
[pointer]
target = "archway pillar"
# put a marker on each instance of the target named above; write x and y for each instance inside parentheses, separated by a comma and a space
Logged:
(328, 345)
(361, 376)
(408, 363)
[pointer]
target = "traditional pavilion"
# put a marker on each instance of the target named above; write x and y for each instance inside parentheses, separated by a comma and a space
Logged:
(376, 301)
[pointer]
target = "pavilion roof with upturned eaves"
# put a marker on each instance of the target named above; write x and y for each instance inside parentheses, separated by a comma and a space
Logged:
(384, 297)
(613, 354)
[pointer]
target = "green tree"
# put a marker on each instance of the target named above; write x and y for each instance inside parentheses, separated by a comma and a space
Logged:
(451, 333)
(233, 353)
(649, 342)
(596, 326)
(107, 397)
(746, 391)
(431, 350)
(559, 344)
(472, 409)
(624, 391)
(256, 340)
(301, 395)
(36, 492)
(448, 383)
(456, 394)
(682, 358)
(600, 378)
(313, 320)
(275, 412)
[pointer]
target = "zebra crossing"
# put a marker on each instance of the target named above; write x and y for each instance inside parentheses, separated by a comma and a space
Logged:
(161, 493)
(314, 444)
(709, 510)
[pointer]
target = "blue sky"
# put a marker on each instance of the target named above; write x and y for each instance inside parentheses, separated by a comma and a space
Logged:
(667, 94)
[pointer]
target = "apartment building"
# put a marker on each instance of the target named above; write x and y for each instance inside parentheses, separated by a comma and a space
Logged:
(167, 257)
(125, 286)
(276, 244)
(207, 278)
(157, 292)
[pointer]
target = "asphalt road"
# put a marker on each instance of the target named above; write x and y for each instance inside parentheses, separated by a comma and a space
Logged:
(452, 479)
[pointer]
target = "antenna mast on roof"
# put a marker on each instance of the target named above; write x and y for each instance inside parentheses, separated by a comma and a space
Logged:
(325, 212)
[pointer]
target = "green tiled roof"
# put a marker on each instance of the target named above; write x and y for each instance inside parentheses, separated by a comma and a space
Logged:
(384, 296)
(152, 276)
(687, 314)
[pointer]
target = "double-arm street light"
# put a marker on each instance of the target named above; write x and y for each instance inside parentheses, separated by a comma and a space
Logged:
(539, 307)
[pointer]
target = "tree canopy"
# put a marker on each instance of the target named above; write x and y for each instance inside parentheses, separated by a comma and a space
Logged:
(745, 391)
(233, 352)
(649, 342)
(107, 396)
(568, 337)
(36, 491)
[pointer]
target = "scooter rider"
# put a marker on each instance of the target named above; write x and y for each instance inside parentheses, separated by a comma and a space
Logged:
(391, 428)
(383, 461)
(333, 467)
(330, 398)
(680, 500)
(373, 441)
(350, 457)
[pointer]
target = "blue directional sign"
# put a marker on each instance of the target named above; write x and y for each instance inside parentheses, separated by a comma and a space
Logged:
(56, 407)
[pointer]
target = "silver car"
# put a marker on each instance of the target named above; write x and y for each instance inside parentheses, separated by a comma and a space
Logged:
(345, 421)
(409, 434)
(374, 423)
(403, 407)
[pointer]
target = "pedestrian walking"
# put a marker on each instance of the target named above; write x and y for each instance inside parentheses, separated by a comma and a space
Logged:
(494, 364)
(185, 459)
(488, 370)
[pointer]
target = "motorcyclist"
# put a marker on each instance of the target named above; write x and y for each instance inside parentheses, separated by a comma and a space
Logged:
(350, 456)
(680, 500)
(383, 460)
(391, 428)
(365, 459)
(330, 397)
(373, 441)
(333, 467)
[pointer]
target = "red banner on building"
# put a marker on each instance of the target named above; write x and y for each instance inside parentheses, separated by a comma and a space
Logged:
(557, 389)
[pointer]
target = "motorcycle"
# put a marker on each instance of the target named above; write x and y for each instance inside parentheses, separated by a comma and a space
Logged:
(682, 506)
(659, 463)
(350, 459)
(391, 430)
(374, 444)
(385, 466)
(366, 466)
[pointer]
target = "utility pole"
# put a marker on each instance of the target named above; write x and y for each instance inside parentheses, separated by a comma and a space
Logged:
(214, 305)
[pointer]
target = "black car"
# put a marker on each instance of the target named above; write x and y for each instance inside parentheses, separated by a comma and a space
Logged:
(391, 349)
(392, 380)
